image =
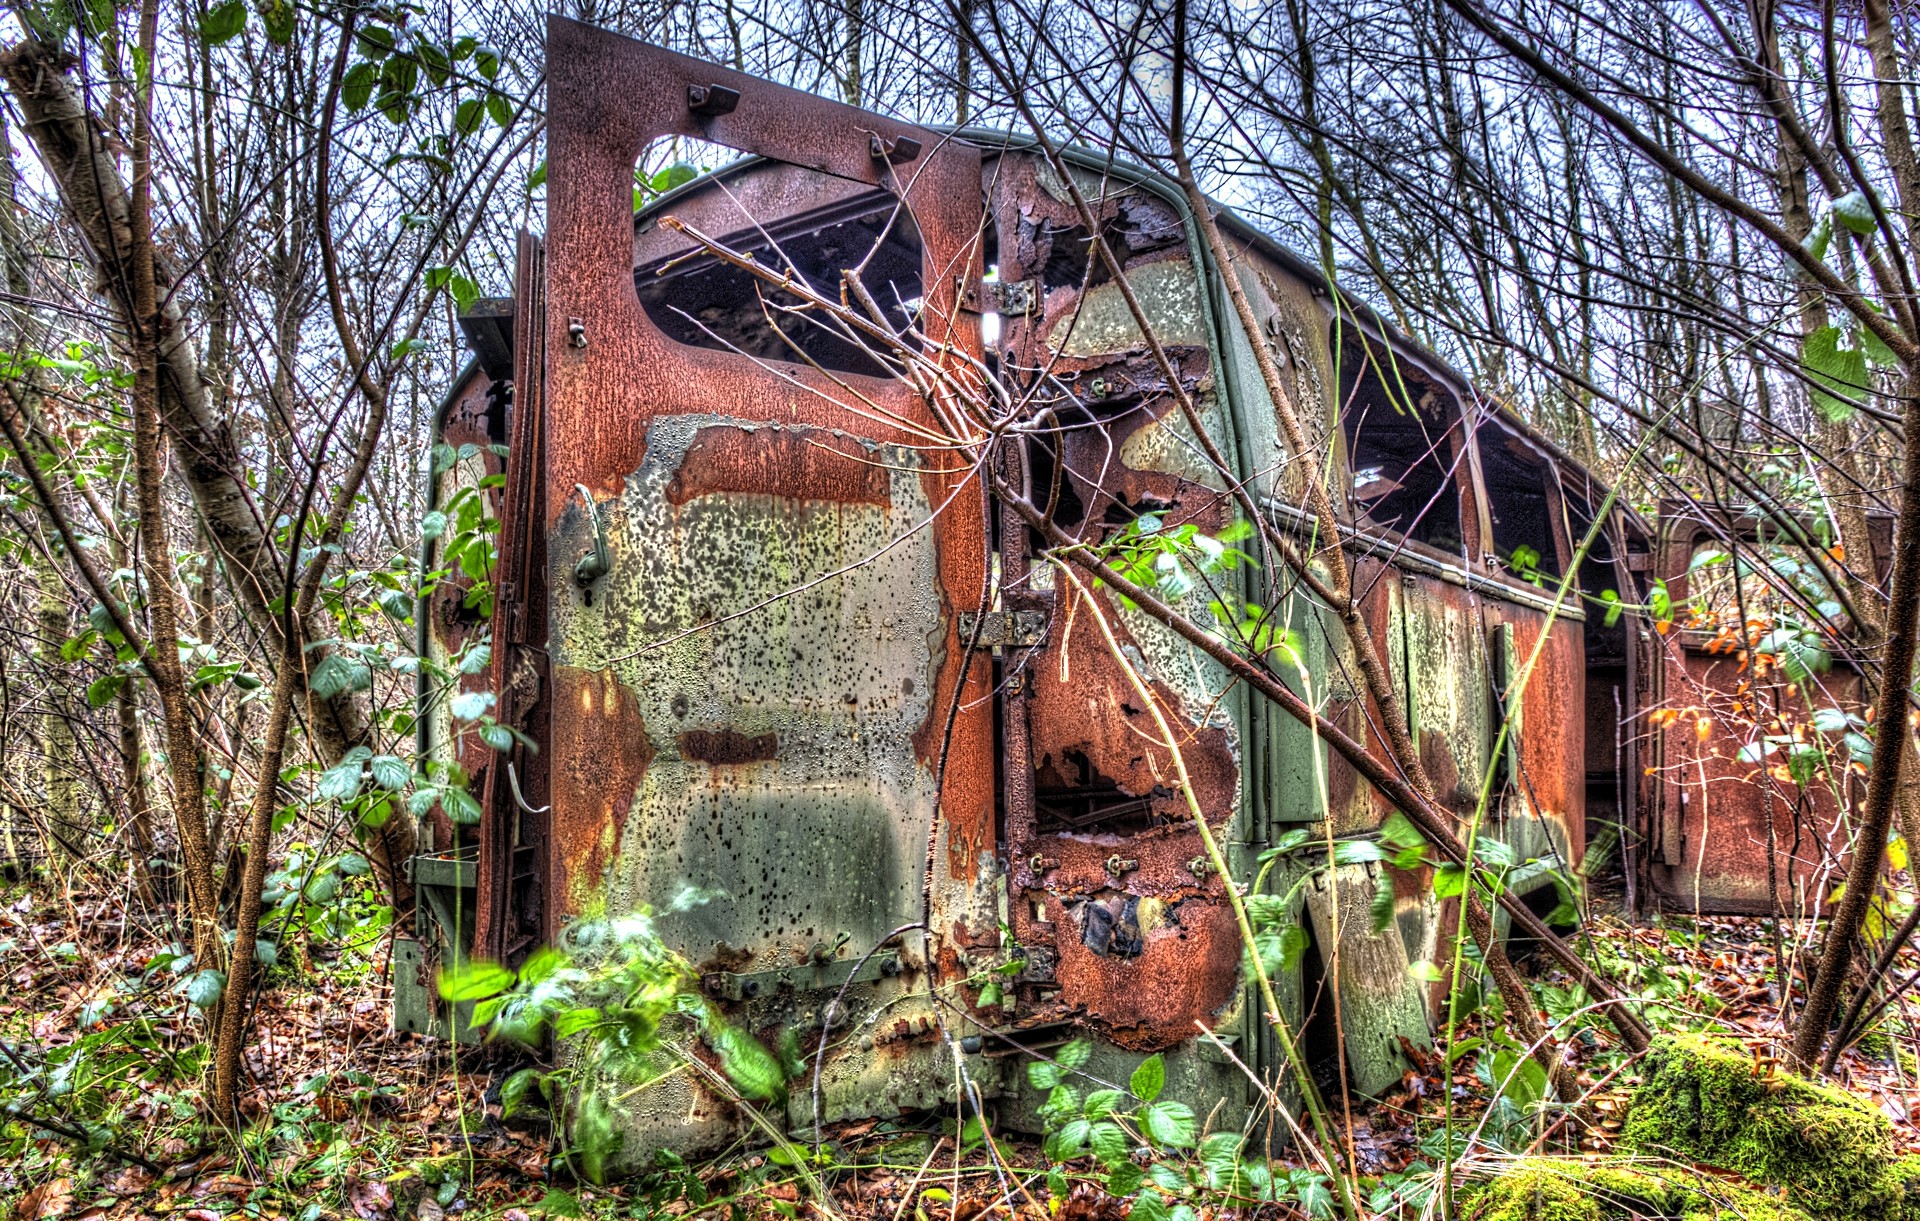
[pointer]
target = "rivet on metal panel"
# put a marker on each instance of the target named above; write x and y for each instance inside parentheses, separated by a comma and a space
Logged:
(824, 952)
(895, 150)
(712, 99)
(1040, 864)
(576, 333)
(1117, 864)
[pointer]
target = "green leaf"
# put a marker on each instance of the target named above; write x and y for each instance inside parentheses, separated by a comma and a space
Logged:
(1449, 882)
(751, 1067)
(354, 865)
(1124, 1178)
(500, 109)
(500, 738)
(1400, 832)
(460, 806)
(1149, 1205)
(433, 525)
(321, 889)
(1313, 1193)
(513, 1091)
(1069, 1141)
(1424, 971)
(356, 87)
(471, 705)
(1855, 211)
(1168, 1123)
(1357, 852)
(1839, 375)
(1074, 1055)
(390, 772)
(1043, 1075)
(468, 116)
(339, 674)
(1109, 1143)
(1819, 239)
(223, 22)
(100, 691)
(1149, 1078)
(474, 980)
(1380, 911)
(340, 783)
(278, 18)
(486, 61)
(266, 953)
(558, 1203)
(205, 988)
(375, 42)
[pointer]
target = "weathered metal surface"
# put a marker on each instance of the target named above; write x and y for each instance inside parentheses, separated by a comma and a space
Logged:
(775, 645)
(758, 695)
(1139, 941)
(512, 913)
(1730, 833)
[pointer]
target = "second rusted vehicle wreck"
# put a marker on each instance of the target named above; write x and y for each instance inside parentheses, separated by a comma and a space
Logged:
(772, 639)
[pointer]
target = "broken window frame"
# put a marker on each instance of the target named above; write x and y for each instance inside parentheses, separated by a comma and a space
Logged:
(1454, 466)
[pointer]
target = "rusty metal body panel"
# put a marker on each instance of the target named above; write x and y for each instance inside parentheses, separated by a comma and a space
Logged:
(1730, 831)
(739, 583)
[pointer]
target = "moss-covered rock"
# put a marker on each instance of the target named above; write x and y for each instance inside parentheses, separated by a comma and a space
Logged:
(1707, 1100)
(1904, 1177)
(1568, 1189)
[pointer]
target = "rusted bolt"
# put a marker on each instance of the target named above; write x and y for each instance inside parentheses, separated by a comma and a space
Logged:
(576, 333)
(1040, 864)
(1117, 865)
(1199, 866)
(1098, 388)
(1016, 683)
(893, 151)
(890, 967)
(749, 988)
(715, 984)
(712, 99)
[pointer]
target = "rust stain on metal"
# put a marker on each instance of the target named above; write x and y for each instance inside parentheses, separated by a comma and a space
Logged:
(784, 463)
(600, 736)
(728, 746)
(1144, 970)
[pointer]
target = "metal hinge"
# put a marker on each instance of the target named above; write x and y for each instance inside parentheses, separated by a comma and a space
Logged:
(1001, 297)
(1004, 629)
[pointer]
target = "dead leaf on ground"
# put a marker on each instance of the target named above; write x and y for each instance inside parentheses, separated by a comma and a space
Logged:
(50, 1199)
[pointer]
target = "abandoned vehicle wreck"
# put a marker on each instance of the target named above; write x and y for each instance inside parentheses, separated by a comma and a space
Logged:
(770, 638)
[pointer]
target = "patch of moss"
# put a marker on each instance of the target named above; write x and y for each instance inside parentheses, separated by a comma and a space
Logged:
(1568, 1189)
(1904, 1178)
(1707, 1100)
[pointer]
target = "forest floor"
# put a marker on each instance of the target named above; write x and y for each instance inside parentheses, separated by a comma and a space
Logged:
(349, 1119)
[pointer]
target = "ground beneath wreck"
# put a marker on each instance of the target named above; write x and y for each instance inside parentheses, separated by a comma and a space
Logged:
(352, 1120)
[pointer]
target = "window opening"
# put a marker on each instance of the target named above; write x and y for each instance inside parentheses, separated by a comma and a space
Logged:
(813, 224)
(1400, 448)
(1517, 503)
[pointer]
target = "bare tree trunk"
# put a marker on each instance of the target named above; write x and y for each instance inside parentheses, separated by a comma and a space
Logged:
(204, 453)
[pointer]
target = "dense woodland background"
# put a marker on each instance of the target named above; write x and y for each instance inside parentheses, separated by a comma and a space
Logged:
(1678, 237)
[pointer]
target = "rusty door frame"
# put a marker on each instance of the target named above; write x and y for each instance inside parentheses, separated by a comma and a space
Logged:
(609, 368)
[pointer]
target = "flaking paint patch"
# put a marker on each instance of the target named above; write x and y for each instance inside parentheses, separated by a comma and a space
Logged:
(809, 623)
(594, 796)
(1104, 323)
